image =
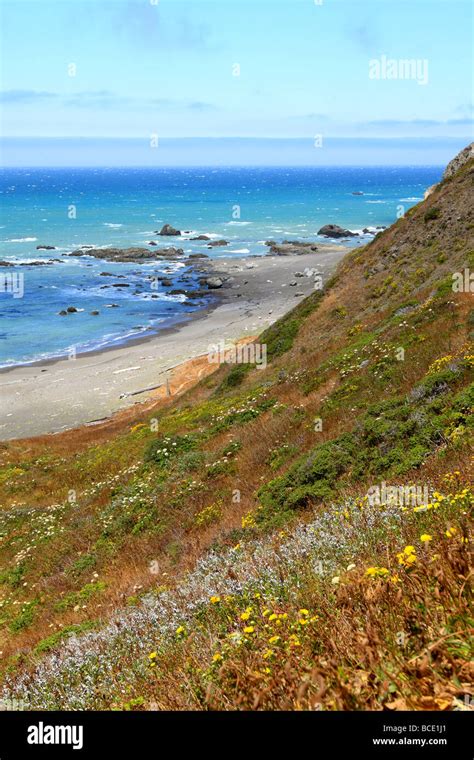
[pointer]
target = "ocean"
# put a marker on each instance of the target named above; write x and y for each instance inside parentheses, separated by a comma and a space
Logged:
(68, 208)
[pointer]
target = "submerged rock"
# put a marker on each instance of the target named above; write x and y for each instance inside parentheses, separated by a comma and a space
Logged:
(217, 243)
(129, 254)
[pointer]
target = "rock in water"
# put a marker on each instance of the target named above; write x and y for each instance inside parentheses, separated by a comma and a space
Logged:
(169, 231)
(217, 243)
(129, 254)
(334, 231)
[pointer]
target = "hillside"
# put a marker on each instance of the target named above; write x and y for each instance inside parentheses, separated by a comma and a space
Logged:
(221, 551)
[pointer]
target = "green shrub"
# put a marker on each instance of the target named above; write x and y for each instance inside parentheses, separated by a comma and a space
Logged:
(431, 214)
(235, 376)
(164, 450)
(25, 618)
(14, 576)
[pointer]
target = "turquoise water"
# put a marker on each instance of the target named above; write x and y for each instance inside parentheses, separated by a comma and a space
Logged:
(68, 208)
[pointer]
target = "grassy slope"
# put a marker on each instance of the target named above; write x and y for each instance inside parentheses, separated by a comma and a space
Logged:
(237, 477)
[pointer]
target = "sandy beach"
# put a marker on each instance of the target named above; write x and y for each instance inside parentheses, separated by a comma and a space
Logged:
(53, 396)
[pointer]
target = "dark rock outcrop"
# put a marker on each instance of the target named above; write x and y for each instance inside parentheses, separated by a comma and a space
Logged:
(334, 231)
(217, 243)
(129, 254)
(30, 263)
(290, 248)
(168, 231)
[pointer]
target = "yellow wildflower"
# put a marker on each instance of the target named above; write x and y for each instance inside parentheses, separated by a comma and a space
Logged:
(407, 557)
(249, 629)
(425, 537)
(376, 572)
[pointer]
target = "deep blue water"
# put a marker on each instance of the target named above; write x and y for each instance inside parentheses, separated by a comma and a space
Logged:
(122, 207)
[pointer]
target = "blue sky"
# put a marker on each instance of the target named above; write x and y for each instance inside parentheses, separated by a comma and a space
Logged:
(166, 67)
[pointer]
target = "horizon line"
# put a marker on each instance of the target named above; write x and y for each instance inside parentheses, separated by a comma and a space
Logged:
(236, 137)
(224, 166)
